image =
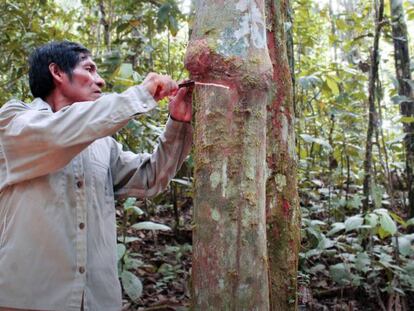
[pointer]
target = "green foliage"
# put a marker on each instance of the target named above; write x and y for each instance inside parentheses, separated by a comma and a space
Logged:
(341, 244)
(25, 25)
(340, 248)
(128, 261)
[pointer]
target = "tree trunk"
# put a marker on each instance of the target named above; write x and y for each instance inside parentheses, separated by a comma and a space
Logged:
(288, 26)
(402, 68)
(282, 204)
(228, 46)
(372, 113)
(106, 25)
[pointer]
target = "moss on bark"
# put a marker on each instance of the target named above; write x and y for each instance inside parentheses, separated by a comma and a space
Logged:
(229, 246)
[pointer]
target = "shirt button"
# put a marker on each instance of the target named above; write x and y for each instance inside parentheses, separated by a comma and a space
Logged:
(79, 184)
(82, 225)
(82, 270)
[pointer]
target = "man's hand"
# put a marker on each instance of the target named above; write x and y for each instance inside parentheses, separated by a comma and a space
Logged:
(160, 86)
(180, 105)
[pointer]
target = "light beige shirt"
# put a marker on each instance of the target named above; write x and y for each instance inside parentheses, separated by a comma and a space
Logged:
(59, 173)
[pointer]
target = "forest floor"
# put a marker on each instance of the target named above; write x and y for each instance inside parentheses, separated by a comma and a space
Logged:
(167, 269)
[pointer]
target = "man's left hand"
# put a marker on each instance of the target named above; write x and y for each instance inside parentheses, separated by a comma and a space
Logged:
(180, 105)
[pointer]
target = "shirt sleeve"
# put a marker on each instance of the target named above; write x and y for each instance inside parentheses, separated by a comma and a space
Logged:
(34, 143)
(145, 175)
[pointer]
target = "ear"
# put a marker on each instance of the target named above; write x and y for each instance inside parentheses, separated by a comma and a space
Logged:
(57, 74)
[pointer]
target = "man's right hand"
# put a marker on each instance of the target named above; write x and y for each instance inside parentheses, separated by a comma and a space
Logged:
(160, 86)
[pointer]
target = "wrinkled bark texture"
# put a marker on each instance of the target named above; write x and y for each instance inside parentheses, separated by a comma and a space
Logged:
(282, 204)
(228, 46)
(402, 68)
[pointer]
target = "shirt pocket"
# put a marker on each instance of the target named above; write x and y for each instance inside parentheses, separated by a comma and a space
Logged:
(103, 186)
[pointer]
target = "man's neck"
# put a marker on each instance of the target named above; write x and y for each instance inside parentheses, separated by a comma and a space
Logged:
(57, 101)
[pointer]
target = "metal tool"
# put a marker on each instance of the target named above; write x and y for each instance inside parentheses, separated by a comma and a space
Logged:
(189, 83)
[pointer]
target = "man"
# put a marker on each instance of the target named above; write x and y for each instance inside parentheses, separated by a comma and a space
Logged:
(60, 171)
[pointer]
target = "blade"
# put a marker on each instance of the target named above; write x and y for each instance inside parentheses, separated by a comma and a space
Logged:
(192, 82)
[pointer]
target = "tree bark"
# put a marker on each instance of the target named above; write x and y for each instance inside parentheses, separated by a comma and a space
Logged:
(403, 73)
(282, 204)
(228, 46)
(106, 25)
(372, 113)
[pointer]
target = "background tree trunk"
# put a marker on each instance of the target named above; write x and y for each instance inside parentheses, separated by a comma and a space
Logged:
(106, 25)
(403, 73)
(372, 113)
(228, 46)
(282, 204)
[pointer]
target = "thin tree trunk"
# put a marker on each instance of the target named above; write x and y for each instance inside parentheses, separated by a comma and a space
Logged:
(228, 46)
(372, 113)
(282, 204)
(288, 26)
(402, 68)
(106, 25)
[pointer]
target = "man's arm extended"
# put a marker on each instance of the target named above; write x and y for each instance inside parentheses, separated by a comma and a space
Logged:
(35, 143)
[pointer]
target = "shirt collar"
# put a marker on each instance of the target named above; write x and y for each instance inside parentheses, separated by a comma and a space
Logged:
(41, 105)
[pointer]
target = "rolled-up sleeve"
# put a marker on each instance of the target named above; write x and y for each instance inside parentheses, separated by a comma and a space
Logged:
(37, 142)
(145, 175)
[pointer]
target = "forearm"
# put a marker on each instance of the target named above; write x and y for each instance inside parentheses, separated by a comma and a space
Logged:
(146, 176)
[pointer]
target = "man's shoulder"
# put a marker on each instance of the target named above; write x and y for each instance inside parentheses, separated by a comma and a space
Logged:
(11, 108)
(15, 106)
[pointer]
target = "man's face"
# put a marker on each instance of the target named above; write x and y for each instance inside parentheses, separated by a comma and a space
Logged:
(85, 83)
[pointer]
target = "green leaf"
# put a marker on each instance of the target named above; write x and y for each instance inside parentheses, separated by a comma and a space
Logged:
(407, 119)
(308, 82)
(383, 233)
(372, 220)
(354, 202)
(362, 262)
(341, 24)
(120, 250)
(166, 269)
(410, 222)
(162, 15)
(336, 227)
(125, 71)
(340, 273)
(135, 210)
(132, 263)
(173, 25)
(405, 245)
(397, 218)
(376, 193)
(149, 225)
(387, 224)
(333, 86)
(129, 202)
(325, 243)
(397, 100)
(132, 285)
(353, 223)
(310, 139)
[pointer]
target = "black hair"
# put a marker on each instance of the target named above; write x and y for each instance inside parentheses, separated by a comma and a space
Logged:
(65, 54)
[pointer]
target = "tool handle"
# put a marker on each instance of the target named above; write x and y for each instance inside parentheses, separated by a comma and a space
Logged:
(186, 83)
